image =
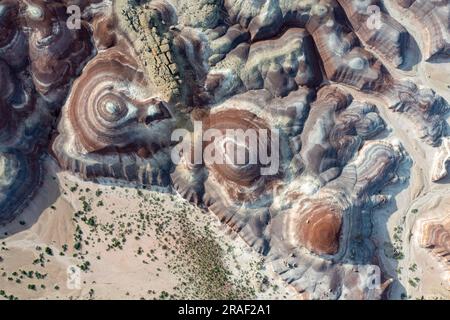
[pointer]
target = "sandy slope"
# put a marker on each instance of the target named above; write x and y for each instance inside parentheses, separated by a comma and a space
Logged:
(145, 267)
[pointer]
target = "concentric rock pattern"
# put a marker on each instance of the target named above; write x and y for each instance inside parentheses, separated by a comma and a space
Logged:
(39, 57)
(111, 114)
(436, 237)
(105, 98)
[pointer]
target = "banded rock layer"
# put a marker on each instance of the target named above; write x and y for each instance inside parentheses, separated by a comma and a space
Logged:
(304, 209)
(113, 92)
(19, 176)
(388, 38)
(433, 18)
(436, 238)
(112, 123)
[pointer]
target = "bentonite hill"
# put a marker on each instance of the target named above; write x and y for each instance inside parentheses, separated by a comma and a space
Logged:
(225, 149)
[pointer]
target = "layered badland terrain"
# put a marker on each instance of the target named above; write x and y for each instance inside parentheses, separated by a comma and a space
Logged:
(354, 93)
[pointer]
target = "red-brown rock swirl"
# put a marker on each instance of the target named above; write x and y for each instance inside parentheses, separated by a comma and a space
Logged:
(57, 53)
(436, 237)
(317, 228)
